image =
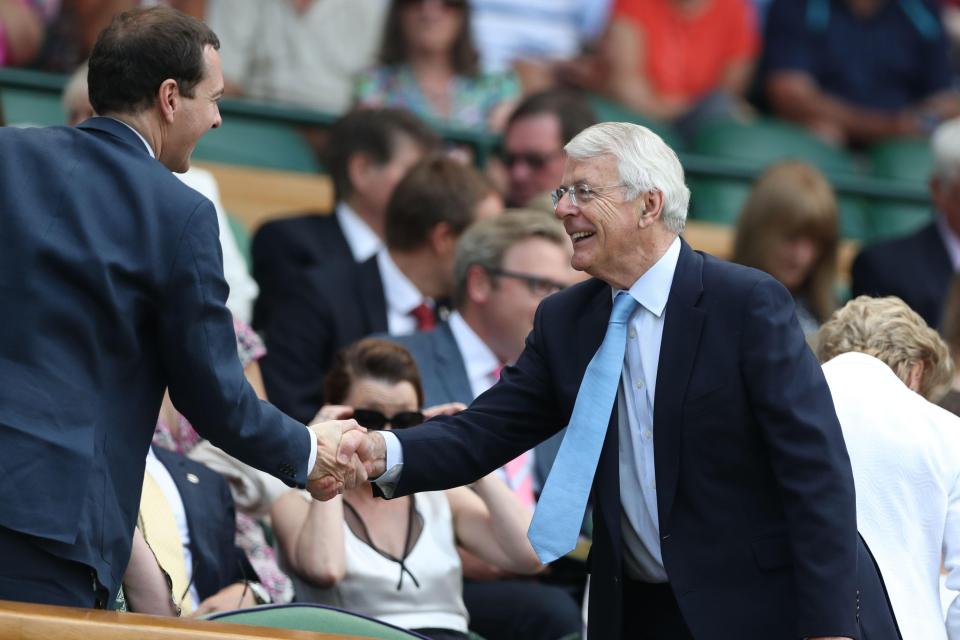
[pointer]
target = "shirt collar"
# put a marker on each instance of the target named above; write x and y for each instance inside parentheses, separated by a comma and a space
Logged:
(951, 241)
(402, 296)
(142, 139)
(361, 239)
(652, 289)
(478, 358)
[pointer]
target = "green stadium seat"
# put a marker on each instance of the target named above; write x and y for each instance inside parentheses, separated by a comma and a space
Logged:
(317, 618)
(607, 110)
(258, 142)
(906, 160)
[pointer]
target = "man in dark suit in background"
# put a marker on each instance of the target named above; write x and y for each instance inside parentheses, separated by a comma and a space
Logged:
(368, 152)
(395, 291)
(723, 496)
(917, 268)
(112, 289)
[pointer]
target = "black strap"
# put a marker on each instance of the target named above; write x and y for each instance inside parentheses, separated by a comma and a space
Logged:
(412, 514)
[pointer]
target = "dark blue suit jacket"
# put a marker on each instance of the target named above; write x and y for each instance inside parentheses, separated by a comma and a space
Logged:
(111, 285)
(282, 250)
(217, 561)
(916, 268)
(327, 308)
(754, 488)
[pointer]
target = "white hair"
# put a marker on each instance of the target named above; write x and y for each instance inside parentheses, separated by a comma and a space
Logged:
(945, 147)
(644, 161)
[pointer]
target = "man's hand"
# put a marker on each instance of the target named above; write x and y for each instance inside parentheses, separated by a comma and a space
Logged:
(234, 596)
(335, 471)
(369, 449)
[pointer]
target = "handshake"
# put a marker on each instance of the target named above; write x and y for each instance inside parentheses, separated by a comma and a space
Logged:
(347, 455)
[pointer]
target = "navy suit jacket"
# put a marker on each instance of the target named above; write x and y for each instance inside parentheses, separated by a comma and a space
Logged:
(282, 250)
(217, 560)
(111, 285)
(329, 307)
(916, 268)
(755, 494)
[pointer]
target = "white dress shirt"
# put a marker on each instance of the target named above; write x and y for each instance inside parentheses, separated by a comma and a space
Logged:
(481, 363)
(361, 239)
(905, 455)
(168, 487)
(402, 296)
(638, 385)
(312, 457)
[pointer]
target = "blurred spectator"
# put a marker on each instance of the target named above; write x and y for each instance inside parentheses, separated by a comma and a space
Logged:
(533, 142)
(503, 269)
(917, 268)
(858, 71)
(430, 66)
(303, 52)
(531, 36)
(396, 560)
(243, 289)
(367, 154)
(22, 26)
(951, 335)
(789, 228)
(885, 366)
(334, 304)
(681, 61)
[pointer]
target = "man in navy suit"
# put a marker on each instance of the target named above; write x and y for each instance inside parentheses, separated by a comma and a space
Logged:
(917, 268)
(111, 285)
(368, 153)
(723, 496)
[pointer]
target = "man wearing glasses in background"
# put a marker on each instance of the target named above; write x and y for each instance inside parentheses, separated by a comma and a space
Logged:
(533, 141)
(504, 268)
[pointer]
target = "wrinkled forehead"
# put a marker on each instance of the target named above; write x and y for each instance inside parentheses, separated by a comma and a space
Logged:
(595, 171)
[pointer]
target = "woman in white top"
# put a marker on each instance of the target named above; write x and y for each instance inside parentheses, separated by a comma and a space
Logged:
(883, 365)
(396, 560)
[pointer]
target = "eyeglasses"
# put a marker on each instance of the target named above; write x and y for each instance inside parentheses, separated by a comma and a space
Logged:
(535, 161)
(580, 194)
(373, 419)
(541, 287)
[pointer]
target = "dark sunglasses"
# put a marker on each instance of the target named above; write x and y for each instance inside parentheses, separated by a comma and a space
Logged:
(372, 419)
(535, 161)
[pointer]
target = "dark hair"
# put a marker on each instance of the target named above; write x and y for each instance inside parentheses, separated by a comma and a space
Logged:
(463, 57)
(374, 133)
(370, 358)
(569, 107)
(437, 189)
(139, 50)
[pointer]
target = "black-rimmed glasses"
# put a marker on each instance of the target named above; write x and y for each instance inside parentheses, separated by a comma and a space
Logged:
(538, 286)
(373, 419)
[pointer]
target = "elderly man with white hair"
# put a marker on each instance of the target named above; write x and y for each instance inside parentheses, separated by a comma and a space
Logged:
(932, 253)
(884, 366)
(723, 497)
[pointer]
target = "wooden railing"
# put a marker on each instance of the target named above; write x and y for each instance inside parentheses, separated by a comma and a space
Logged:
(19, 621)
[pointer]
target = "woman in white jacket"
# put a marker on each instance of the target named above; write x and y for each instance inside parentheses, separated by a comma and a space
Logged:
(884, 365)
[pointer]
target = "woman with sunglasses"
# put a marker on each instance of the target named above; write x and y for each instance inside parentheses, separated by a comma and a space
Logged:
(396, 560)
(429, 65)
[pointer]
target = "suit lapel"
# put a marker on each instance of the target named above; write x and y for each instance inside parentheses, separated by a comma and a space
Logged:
(373, 303)
(683, 323)
(450, 366)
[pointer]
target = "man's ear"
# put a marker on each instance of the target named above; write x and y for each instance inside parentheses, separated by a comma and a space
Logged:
(479, 284)
(442, 239)
(168, 97)
(650, 206)
(359, 172)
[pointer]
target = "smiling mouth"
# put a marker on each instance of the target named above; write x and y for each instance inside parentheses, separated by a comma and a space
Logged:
(581, 235)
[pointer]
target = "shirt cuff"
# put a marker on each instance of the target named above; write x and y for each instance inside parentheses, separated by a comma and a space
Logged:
(312, 460)
(394, 464)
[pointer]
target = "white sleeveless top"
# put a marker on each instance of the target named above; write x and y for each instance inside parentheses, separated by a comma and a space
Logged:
(370, 584)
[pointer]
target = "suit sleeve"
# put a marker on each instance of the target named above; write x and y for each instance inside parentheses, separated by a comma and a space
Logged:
(199, 353)
(794, 408)
(300, 338)
(508, 419)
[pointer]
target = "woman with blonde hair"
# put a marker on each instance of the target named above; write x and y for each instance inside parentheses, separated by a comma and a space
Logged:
(885, 367)
(789, 227)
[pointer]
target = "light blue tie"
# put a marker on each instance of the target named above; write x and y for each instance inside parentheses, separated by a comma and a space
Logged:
(556, 522)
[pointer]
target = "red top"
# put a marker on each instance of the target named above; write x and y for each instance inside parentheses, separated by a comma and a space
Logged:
(685, 53)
